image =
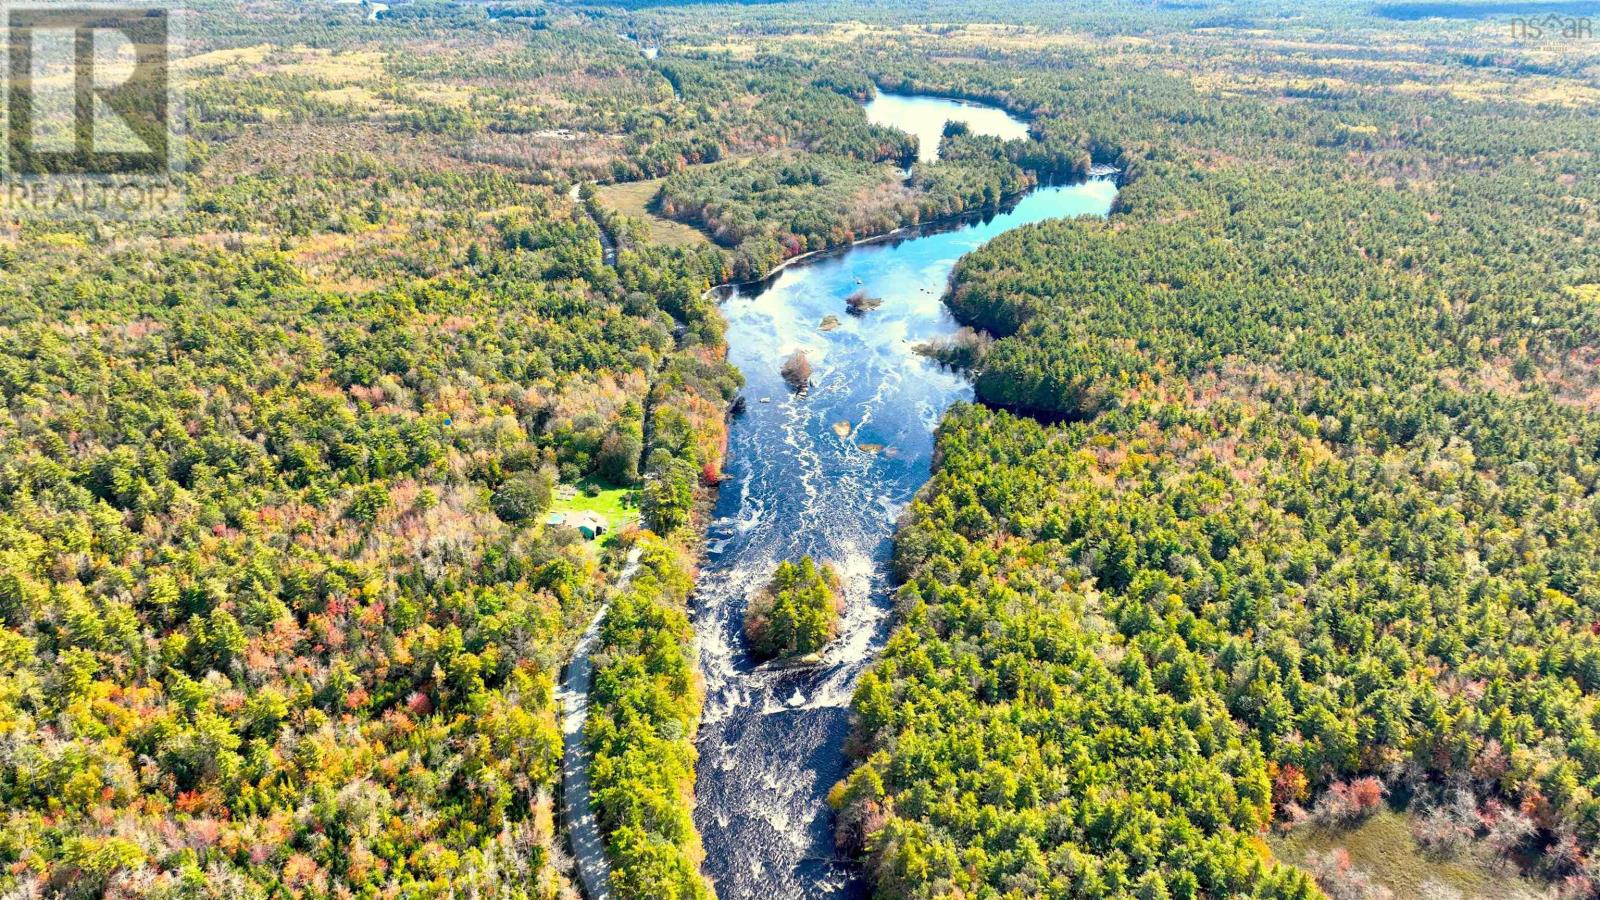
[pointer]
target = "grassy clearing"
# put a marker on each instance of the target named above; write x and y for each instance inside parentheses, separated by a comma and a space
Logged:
(619, 505)
(331, 66)
(1383, 847)
(219, 59)
(633, 199)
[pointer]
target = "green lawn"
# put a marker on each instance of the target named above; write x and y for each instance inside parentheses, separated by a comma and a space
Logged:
(618, 505)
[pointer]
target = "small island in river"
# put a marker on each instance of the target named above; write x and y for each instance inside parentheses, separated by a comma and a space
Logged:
(860, 303)
(796, 614)
(796, 371)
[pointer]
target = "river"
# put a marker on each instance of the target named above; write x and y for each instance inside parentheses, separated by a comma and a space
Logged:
(827, 473)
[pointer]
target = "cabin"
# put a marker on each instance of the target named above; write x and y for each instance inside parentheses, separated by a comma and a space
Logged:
(589, 524)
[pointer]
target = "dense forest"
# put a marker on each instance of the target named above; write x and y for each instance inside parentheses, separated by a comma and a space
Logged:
(282, 616)
(1312, 507)
(646, 706)
(773, 208)
(1277, 506)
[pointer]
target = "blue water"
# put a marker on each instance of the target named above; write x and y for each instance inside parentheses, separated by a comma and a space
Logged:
(923, 117)
(770, 742)
(1411, 12)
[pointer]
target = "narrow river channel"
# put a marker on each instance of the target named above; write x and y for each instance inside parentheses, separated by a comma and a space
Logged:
(825, 473)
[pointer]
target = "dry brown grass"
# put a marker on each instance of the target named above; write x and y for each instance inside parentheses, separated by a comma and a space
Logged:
(222, 59)
(633, 199)
(1383, 847)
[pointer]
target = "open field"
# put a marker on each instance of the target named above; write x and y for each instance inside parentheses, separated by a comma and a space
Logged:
(619, 505)
(633, 199)
(1382, 847)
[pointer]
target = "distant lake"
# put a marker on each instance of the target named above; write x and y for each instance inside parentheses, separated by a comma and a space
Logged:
(1411, 12)
(924, 117)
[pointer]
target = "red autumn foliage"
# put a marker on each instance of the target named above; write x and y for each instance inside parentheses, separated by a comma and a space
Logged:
(418, 704)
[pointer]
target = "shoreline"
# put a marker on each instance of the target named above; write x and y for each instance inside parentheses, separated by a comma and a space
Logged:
(952, 220)
(704, 512)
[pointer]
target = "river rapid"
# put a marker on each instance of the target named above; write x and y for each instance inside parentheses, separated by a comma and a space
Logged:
(825, 473)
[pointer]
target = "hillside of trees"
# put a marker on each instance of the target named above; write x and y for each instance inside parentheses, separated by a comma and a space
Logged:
(280, 614)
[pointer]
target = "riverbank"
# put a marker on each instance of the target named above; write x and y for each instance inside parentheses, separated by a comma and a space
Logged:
(817, 693)
(908, 232)
(630, 710)
(644, 705)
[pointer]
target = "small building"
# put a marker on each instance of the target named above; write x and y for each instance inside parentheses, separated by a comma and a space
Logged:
(589, 524)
